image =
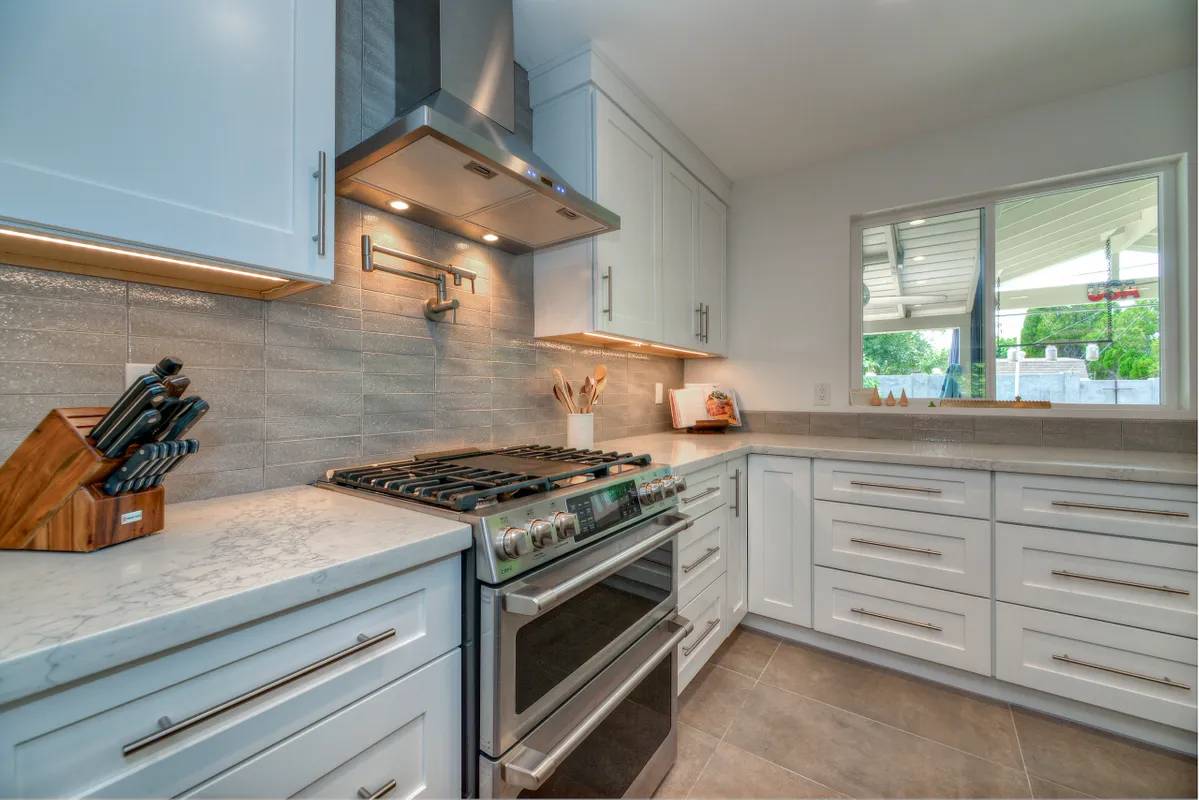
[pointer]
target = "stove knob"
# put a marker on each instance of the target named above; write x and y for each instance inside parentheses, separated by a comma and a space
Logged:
(513, 543)
(542, 533)
(669, 487)
(566, 525)
(645, 493)
(680, 484)
(656, 491)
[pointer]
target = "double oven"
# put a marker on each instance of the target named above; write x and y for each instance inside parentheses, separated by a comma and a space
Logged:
(577, 669)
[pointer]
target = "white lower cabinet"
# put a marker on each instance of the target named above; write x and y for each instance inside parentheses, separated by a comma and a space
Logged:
(1141, 673)
(702, 555)
(736, 584)
(780, 538)
(705, 613)
(946, 627)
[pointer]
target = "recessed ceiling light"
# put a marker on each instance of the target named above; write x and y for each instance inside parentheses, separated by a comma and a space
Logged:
(399, 205)
(490, 237)
(917, 222)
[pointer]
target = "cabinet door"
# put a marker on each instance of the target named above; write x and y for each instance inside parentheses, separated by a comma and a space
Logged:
(780, 538)
(737, 537)
(192, 126)
(680, 252)
(628, 261)
(710, 270)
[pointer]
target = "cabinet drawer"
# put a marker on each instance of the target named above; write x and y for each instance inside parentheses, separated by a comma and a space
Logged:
(1142, 673)
(961, 492)
(704, 612)
(404, 736)
(702, 555)
(930, 549)
(1125, 508)
(244, 690)
(936, 625)
(1146, 584)
(706, 490)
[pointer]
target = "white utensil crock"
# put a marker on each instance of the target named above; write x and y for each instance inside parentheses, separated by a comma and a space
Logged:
(580, 431)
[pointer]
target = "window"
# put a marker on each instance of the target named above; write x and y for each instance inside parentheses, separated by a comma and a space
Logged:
(1064, 308)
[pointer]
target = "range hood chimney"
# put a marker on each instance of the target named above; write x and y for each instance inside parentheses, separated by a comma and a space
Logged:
(450, 158)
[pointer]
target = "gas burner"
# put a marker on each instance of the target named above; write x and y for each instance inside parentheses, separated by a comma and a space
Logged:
(467, 479)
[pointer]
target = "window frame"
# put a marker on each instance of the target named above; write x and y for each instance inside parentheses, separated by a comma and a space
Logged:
(1175, 372)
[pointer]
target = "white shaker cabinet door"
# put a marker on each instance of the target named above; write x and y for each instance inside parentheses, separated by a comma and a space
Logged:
(737, 536)
(192, 126)
(780, 538)
(710, 270)
(628, 265)
(680, 253)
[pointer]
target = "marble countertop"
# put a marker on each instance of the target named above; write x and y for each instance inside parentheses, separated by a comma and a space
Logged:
(219, 563)
(688, 452)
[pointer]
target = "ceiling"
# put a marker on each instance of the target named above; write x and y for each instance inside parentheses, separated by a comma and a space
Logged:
(769, 85)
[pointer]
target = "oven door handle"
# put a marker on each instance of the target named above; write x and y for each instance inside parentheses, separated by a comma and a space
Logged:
(520, 772)
(530, 605)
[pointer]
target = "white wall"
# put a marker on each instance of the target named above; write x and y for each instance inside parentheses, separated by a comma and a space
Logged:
(789, 249)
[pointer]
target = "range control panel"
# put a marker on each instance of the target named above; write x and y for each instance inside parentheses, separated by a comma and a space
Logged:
(609, 506)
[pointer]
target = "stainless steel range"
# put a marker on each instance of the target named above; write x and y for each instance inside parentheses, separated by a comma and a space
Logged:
(570, 614)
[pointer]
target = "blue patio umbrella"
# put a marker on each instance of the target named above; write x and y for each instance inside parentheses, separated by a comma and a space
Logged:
(951, 387)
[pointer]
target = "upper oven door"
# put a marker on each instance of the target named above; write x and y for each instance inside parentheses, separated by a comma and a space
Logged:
(545, 635)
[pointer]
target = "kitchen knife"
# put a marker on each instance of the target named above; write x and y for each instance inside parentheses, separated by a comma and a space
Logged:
(150, 398)
(190, 446)
(133, 466)
(142, 426)
(121, 406)
(170, 451)
(177, 385)
(182, 422)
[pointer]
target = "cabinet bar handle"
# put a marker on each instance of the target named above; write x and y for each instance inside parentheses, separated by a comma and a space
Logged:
(699, 321)
(925, 550)
(1117, 671)
(254, 694)
(925, 625)
(607, 277)
(710, 552)
(382, 791)
(868, 484)
(736, 493)
(707, 321)
(701, 495)
(1096, 507)
(1065, 573)
(321, 177)
(711, 626)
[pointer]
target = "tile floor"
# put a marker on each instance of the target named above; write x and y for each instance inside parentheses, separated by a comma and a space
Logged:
(766, 718)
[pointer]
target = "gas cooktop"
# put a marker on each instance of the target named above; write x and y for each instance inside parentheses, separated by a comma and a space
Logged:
(463, 480)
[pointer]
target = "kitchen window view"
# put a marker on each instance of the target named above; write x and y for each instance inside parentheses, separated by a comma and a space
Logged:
(1075, 313)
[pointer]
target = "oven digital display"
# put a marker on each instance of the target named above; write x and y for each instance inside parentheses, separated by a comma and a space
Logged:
(604, 508)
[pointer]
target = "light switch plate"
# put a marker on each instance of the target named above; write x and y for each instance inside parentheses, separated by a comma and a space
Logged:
(135, 371)
(821, 395)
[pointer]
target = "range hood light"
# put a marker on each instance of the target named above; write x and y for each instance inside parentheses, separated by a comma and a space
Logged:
(490, 237)
(399, 205)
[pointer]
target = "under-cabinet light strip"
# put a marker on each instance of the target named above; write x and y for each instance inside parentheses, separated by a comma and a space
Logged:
(136, 254)
(638, 343)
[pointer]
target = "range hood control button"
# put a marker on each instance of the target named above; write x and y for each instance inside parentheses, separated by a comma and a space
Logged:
(513, 543)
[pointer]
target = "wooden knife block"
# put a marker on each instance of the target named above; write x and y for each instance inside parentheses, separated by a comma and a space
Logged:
(50, 498)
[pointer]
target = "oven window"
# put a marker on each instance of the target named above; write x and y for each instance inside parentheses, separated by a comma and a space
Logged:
(555, 644)
(611, 758)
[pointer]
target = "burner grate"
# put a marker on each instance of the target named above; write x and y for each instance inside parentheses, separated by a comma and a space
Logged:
(448, 482)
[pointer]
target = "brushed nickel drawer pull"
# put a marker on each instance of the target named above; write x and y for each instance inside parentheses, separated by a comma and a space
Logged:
(321, 224)
(1065, 573)
(382, 791)
(1117, 671)
(868, 484)
(711, 626)
(255, 693)
(711, 552)
(701, 495)
(1097, 507)
(925, 550)
(737, 492)
(925, 625)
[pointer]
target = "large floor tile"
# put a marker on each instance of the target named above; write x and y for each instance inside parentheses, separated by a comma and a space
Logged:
(1099, 764)
(1042, 788)
(969, 723)
(734, 773)
(859, 756)
(712, 698)
(746, 651)
(695, 748)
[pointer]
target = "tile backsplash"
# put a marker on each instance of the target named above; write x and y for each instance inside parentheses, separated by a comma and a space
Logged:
(1173, 436)
(338, 375)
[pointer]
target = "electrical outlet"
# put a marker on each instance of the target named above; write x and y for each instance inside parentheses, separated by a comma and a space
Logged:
(135, 371)
(822, 393)
(658, 394)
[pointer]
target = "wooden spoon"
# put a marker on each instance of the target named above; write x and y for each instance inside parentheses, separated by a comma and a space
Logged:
(562, 398)
(567, 393)
(601, 380)
(587, 395)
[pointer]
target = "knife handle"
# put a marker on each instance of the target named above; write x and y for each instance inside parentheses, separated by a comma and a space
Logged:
(176, 385)
(167, 367)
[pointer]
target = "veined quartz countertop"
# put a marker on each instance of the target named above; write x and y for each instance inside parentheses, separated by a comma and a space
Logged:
(219, 563)
(688, 452)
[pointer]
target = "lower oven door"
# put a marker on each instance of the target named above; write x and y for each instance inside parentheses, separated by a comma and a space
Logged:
(616, 738)
(546, 634)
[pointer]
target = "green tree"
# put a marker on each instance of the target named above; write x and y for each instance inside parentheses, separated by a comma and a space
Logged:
(900, 353)
(1133, 352)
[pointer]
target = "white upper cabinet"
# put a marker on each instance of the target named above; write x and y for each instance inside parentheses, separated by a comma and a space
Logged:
(660, 278)
(628, 181)
(191, 127)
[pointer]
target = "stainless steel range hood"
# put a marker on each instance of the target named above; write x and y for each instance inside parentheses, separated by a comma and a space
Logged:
(451, 156)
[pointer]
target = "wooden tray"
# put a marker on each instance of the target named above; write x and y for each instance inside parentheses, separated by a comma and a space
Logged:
(49, 493)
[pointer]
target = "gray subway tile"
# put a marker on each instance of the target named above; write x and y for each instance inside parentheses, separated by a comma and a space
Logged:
(314, 316)
(193, 353)
(276, 476)
(308, 336)
(63, 347)
(285, 428)
(309, 358)
(396, 345)
(398, 422)
(1164, 436)
(213, 430)
(280, 381)
(172, 299)
(397, 403)
(34, 378)
(834, 424)
(181, 487)
(1092, 433)
(386, 383)
(39, 314)
(172, 324)
(25, 411)
(885, 426)
(221, 457)
(1007, 430)
(301, 450)
(283, 406)
(60, 285)
(397, 364)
